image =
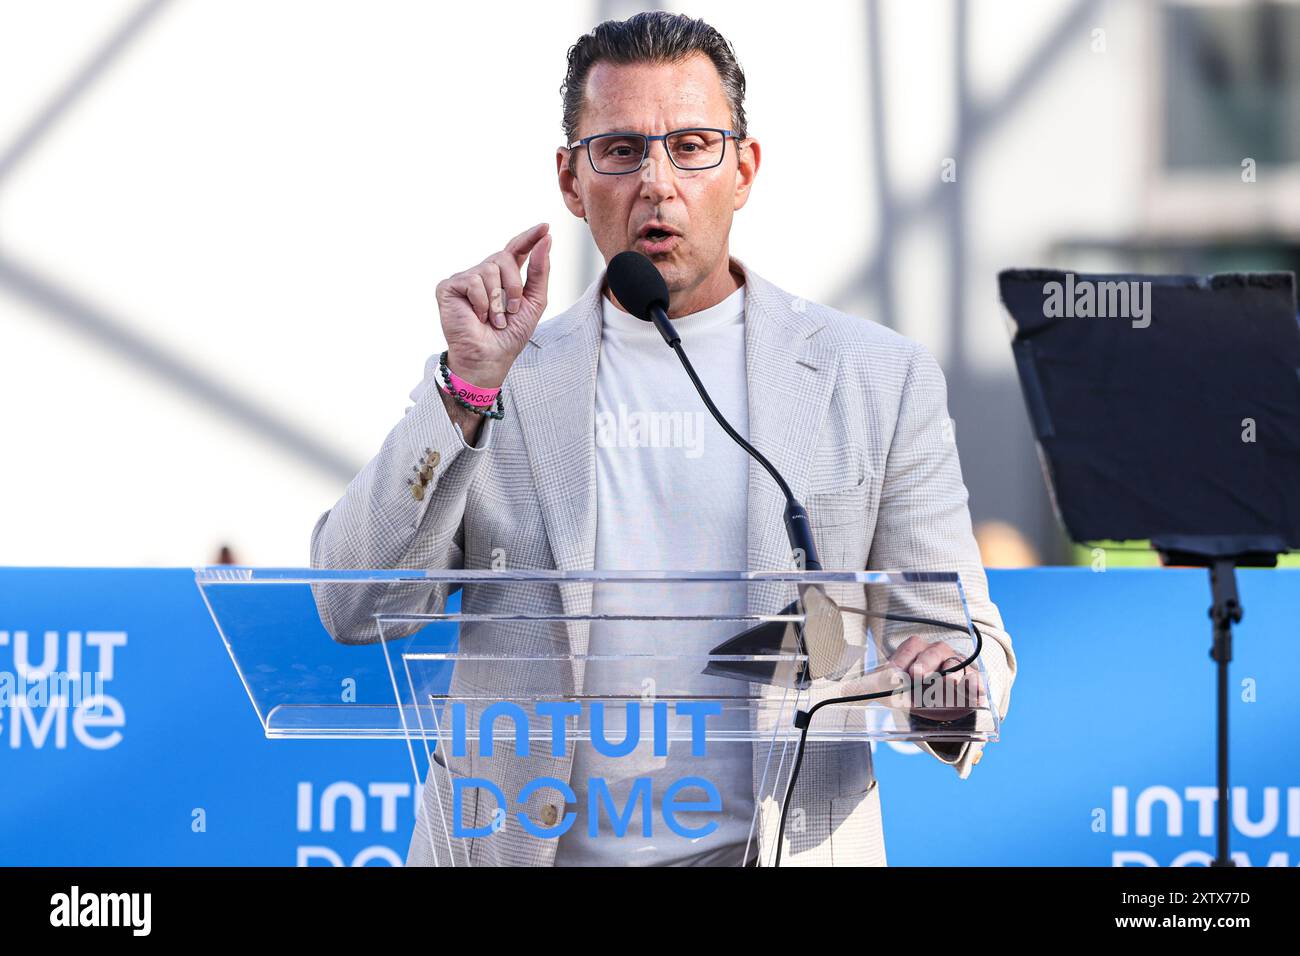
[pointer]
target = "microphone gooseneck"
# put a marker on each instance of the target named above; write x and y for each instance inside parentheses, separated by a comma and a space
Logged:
(640, 289)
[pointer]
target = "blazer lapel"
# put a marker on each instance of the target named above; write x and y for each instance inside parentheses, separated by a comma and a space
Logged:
(790, 373)
(555, 400)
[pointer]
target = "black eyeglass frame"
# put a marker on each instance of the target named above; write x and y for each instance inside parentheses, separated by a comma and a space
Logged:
(587, 141)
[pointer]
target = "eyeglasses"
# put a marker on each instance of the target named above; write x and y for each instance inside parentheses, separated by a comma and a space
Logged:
(615, 154)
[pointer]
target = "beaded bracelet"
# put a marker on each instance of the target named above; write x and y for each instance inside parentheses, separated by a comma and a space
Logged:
(485, 411)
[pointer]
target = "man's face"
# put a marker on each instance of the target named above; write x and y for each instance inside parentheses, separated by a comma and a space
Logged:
(697, 205)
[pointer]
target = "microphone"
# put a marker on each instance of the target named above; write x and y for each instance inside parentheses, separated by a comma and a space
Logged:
(639, 287)
(642, 291)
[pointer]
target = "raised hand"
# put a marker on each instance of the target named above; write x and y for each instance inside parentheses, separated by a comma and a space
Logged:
(488, 312)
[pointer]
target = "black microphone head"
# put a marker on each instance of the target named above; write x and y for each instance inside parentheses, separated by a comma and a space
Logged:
(637, 284)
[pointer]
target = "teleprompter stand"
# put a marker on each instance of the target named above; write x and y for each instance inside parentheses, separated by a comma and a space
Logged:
(1166, 409)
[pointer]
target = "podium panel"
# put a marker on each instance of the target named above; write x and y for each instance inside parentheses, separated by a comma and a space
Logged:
(564, 716)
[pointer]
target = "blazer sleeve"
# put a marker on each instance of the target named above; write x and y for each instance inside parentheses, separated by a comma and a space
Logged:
(924, 525)
(380, 523)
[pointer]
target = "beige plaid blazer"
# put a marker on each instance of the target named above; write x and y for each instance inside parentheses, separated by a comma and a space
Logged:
(868, 448)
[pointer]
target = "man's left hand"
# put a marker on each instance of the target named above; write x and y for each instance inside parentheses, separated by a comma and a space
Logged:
(962, 690)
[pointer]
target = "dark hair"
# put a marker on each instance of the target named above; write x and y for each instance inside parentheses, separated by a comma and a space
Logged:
(651, 37)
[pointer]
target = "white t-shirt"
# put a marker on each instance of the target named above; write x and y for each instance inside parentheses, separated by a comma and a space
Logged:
(671, 495)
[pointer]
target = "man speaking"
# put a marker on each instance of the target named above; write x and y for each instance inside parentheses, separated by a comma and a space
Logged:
(517, 436)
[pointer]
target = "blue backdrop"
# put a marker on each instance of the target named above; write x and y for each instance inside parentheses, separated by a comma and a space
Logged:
(1107, 754)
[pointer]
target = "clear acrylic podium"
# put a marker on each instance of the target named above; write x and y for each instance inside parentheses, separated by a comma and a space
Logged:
(505, 682)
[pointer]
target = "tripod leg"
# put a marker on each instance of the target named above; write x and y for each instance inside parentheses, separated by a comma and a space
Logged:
(1224, 612)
